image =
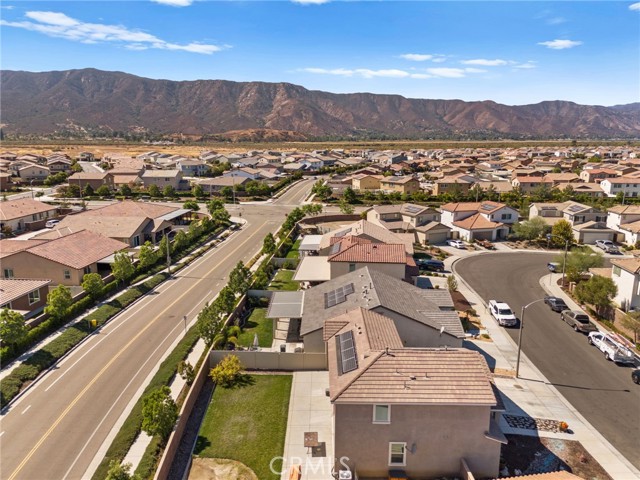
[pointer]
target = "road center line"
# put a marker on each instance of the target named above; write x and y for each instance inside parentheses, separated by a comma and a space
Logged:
(108, 364)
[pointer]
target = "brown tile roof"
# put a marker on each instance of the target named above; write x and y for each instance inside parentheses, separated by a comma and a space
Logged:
(471, 206)
(89, 176)
(417, 376)
(13, 209)
(628, 209)
(631, 265)
(371, 253)
(10, 246)
(79, 249)
(14, 288)
(129, 208)
(368, 229)
(108, 226)
(477, 222)
(631, 226)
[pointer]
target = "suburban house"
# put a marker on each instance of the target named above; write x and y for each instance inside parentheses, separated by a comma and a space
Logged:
(416, 412)
(625, 219)
(351, 253)
(363, 182)
(367, 230)
(528, 183)
(96, 180)
(23, 214)
(625, 273)
(59, 164)
(193, 168)
(479, 221)
(424, 318)
(64, 260)
(573, 212)
(592, 175)
(34, 172)
(424, 222)
(164, 178)
(6, 183)
(628, 186)
(217, 184)
(408, 184)
(454, 183)
(25, 296)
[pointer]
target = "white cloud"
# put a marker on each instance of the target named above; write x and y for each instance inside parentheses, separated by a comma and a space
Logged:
(560, 44)
(474, 70)
(395, 73)
(174, 3)
(416, 57)
(59, 25)
(555, 20)
(527, 65)
(484, 62)
(7, 7)
(447, 72)
(635, 6)
(310, 2)
(439, 59)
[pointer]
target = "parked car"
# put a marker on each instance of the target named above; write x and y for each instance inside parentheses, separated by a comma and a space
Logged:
(554, 266)
(612, 348)
(502, 313)
(578, 320)
(456, 244)
(51, 223)
(430, 264)
(607, 245)
(635, 376)
(556, 304)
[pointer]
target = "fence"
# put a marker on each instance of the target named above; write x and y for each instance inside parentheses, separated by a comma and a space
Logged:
(257, 360)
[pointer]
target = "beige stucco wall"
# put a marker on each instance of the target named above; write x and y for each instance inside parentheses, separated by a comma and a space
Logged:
(18, 224)
(366, 183)
(395, 270)
(442, 436)
(26, 265)
(313, 342)
(416, 334)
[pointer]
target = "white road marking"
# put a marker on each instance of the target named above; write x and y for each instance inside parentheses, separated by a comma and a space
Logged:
(1, 433)
(25, 410)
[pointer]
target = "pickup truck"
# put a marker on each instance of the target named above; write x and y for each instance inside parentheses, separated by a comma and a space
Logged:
(578, 320)
(613, 349)
(502, 313)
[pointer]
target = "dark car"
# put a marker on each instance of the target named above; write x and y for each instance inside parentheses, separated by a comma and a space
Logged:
(556, 304)
(430, 264)
(635, 376)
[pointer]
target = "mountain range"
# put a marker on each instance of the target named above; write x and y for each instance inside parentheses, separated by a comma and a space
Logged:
(91, 102)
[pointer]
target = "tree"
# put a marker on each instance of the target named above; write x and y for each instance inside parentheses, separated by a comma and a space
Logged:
(598, 291)
(312, 209)
(227, 372)
(180, 241)
(322, 190)
(119, 472)
(12, 327)
(125, 190)
(269, 244)
(154, 191)
(562, 232)
(226, 300)
(452, 283)
(159, 413)
(349, 195)
(579, 263)
(346, 208)
(531, 229)
(191, 205)
(197, 191)
(72, 191)
(76, 167)
(93, 284)
(227, 336)
(220, 217)
(631, 322)
(261, 280)
(169, 191)
(239, 278)
(58, 302)
(209, 322)
(103, 191)
(214, 205)
(186, 371)
(88, 191)
(147, 256)
(122, 267)
(226, 192)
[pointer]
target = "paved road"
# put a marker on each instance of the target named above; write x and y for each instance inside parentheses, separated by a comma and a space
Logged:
(600, 390)
(56, 429)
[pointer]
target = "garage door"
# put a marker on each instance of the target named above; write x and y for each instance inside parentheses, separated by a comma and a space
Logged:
(590, 237)
(483, 235)
(437, 237)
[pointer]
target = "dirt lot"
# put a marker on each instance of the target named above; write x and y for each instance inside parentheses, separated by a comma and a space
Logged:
(531, 455)
(219, 469)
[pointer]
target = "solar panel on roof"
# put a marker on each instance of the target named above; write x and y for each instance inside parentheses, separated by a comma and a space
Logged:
(346, 352)
(341, 234)
(412, 209)
(337, 296)
(486, 206)
(575, 208)
(335, 248)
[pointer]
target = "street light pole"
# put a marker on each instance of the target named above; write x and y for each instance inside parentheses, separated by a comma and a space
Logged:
(520, 333)
(566, 251)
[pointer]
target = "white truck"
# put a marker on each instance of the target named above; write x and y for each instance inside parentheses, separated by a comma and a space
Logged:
(612, 347)
(502, 313)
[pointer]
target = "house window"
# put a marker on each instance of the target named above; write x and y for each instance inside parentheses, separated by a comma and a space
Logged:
(8, 273)
(381, 414)
(397, 454)
(87, 270)
(34, 217)
(506, 216)
(34, 297)
(352, 267)
(136, 241)
(67, 275)
(616, 270)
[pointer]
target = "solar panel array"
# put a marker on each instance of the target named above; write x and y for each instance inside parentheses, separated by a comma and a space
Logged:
(346, 350)
(412, 209)
(575, 208)
(487, 207)
(335, 248)
(342, 234)
(337, 296)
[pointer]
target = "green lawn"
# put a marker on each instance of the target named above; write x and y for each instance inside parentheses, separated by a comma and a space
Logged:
(293, 253)
(283, 281)
(248, 423)
(257, 323)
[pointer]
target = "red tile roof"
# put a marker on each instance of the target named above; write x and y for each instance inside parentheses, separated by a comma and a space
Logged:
(477, 222)
(13, 209)
(371, 253)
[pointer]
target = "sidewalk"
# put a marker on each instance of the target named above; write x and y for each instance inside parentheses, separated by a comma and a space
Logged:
(532, 397)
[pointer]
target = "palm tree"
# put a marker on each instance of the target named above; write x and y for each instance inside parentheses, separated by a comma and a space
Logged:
(228, 335)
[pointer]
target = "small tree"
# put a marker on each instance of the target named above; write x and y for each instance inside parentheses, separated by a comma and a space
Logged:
(197, 191)
(227, 372)
(226, 192)
(349, 195)
(12, 327)
(227, 336)
(122, 267)
(631, 322)
(159, 413)
(215, 205)
(239, 278)
(346, 208)
(220, 217)
(452, 283)
(191, 205)
(125, 190)
(169, 191)
(58, 302)
(147, 256)
(119, 471)
(93, 284)
(579, 263)
(531, 229)
(103, 191)
(180, 241)
(269, 244)
(598, 291)
(88, 191)
(154, 191)
(186, 371)
(562, 232)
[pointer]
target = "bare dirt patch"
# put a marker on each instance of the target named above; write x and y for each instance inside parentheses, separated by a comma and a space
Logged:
(531, 455)
(219, 469)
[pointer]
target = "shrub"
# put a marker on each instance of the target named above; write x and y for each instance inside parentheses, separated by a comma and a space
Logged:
(289, 265)
(25, 372)
(227, 372)
(9, 388)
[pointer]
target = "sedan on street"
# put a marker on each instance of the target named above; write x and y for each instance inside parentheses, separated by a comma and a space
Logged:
(556, 304)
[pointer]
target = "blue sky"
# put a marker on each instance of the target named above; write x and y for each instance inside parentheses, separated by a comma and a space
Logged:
(510, 52)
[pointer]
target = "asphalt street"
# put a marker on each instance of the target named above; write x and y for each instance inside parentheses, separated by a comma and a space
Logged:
(599, 390)
(56, 429)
